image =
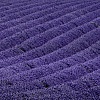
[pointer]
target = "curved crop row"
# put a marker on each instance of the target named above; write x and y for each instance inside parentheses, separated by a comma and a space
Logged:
(16, 21)
(48, 47)
(60, 77)
(37, 12)
(29, 18)
(80, 57)
(22, 36)
(22, 8)
(39, 40)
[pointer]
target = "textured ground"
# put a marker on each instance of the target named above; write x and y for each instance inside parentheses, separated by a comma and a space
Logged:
(50, 50)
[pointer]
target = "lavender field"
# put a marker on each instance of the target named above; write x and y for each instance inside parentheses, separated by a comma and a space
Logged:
(50, 50)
